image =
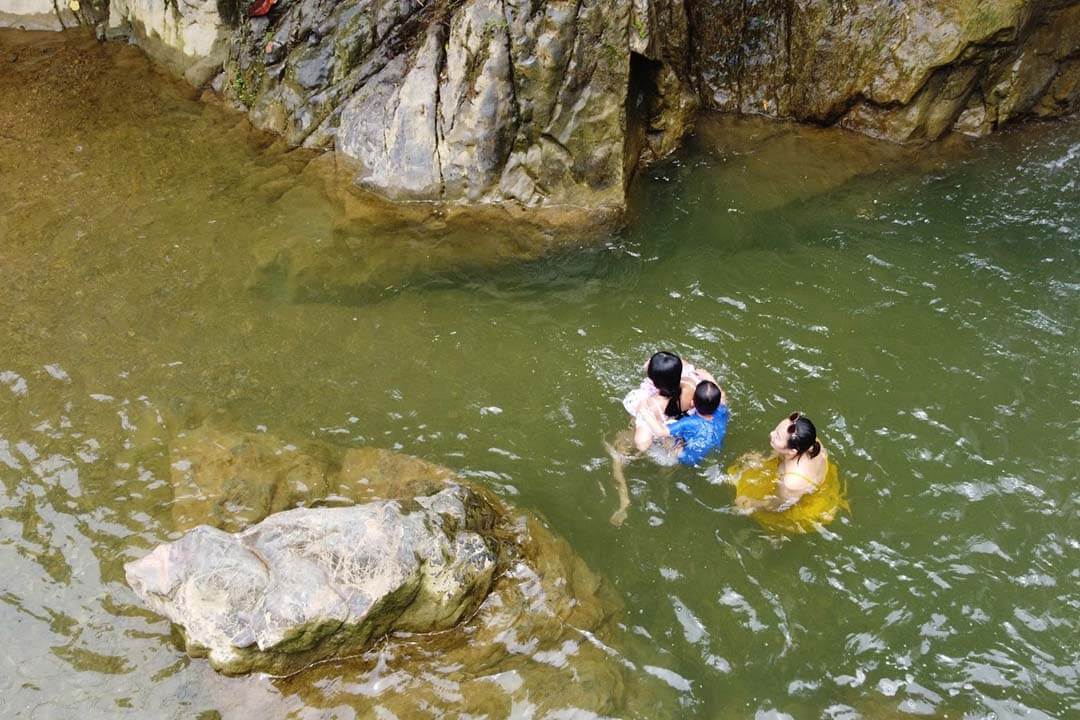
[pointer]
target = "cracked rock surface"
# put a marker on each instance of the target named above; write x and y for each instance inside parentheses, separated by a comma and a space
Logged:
(555, 103)
(293, 555)
(896, 70)
(309, 584)
(482, 101)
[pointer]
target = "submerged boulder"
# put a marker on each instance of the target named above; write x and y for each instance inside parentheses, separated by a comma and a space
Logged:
(429, 588)
(232, 479)
(546, 643)
(310, 584)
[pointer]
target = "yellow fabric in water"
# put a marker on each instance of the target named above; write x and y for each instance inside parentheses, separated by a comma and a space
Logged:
(755, 477)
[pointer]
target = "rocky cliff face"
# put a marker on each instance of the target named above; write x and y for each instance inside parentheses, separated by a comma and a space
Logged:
(901, 71)
(554, 103)
(477, 101)
(190, 37)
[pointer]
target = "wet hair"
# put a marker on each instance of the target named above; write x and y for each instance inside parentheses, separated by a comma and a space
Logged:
(706, 397)
(665, 371)
(802, 436)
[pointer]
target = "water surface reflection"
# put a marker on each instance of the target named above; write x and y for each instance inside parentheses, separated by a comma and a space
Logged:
(164, 266)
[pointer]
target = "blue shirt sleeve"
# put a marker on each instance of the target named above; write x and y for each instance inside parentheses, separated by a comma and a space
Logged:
(720, 420)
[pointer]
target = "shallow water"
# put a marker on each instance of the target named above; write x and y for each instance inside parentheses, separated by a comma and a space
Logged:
(162, 264)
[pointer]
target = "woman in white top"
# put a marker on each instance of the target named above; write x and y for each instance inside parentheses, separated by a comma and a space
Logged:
(667, 393)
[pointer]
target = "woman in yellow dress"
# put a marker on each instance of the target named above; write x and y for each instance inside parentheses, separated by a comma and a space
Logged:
(798, 488)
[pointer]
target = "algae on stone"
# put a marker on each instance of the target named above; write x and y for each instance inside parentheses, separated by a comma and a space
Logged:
(554, 104)
(900, 71)
(232, 480)
(475, 598)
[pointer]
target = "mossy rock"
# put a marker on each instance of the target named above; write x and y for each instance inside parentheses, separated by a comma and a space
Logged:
(493, 592)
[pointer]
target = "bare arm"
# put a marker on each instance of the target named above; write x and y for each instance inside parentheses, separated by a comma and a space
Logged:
(771, 503)
(706, 375)
(650, 413)
(789, 490)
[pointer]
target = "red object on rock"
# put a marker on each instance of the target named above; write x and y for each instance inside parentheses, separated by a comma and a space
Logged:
(260, 8)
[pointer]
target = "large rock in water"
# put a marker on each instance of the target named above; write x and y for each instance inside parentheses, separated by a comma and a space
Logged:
(529, 624)
(309, 584)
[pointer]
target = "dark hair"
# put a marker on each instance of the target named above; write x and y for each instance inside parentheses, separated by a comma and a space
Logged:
(802, 436)
(706, 397)
(665, 371)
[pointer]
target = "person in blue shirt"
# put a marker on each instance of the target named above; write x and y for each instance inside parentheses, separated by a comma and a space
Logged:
(701, 432)
(687, 439)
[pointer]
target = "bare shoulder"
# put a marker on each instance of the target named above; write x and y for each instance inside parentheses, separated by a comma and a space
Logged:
(821, 464)
(795, 483)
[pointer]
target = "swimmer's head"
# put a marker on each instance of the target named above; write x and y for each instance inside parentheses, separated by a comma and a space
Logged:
(706, 397)
(665, 371)
(794, 436)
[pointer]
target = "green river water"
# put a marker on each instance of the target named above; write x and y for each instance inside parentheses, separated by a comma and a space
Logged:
(161, 263)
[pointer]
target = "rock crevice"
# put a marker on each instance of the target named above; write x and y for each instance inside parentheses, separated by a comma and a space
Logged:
(305, 585)
(899, 71)
(556, 103)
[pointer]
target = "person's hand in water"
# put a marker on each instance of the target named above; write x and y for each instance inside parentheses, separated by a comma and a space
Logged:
(747, 505)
